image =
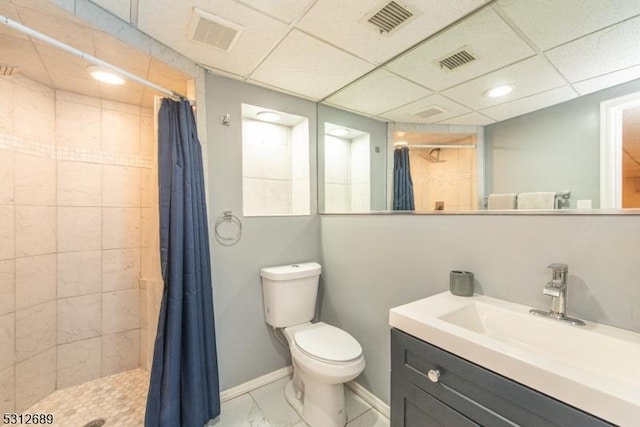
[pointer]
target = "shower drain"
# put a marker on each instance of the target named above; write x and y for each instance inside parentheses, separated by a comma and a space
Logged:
(96, 423)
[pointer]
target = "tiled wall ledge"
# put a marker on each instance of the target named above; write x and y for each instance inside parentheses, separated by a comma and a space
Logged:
(38, 148)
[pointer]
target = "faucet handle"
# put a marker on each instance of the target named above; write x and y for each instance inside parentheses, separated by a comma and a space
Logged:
(556, 266)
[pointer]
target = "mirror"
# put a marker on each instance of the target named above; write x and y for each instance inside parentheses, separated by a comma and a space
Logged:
(446, 165)
(347, 175)
(560, 60)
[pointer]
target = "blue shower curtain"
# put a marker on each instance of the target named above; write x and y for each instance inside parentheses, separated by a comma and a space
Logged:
(184, 389)
(402, 183)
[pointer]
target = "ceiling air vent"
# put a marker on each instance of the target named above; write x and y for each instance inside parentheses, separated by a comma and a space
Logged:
(391, 17)
(431, 110)
(459, 58)
(7, 70)
(213, 30)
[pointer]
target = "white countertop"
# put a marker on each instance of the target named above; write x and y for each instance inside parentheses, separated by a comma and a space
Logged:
(595, 367)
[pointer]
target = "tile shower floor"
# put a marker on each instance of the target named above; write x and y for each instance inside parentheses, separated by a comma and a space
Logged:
(120, 401)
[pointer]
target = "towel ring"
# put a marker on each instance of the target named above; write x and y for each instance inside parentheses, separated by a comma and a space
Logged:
(227, 216)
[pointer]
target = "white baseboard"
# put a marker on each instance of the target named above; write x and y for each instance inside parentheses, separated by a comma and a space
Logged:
(370, 398)
(255, 383)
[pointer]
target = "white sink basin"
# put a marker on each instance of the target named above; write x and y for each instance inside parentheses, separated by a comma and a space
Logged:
(595, 367)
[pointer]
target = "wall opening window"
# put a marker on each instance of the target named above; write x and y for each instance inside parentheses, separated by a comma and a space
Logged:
(347, 177)
(275, 163)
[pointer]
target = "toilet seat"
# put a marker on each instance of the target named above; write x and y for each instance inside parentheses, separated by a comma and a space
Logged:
(327, 343)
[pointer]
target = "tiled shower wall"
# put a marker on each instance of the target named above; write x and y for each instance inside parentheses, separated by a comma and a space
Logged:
(275, 168)
(452, 180)
(75, 209)
(347, 174)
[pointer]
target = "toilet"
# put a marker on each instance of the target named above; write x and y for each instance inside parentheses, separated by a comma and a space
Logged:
(324, 357)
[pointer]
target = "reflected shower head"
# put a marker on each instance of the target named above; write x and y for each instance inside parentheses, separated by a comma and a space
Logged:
(7, 70)
(433, 156)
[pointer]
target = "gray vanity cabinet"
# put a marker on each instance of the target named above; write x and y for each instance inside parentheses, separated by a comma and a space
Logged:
(431, 387)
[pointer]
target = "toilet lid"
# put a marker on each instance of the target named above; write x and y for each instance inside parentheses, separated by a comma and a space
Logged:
(328, 343)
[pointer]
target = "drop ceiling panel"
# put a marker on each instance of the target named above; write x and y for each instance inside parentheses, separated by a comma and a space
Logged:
(485, 35)
(120, 8)
(531, 76)
(406, 113)
(522, 106)
(471, 119)
(127, 94)
(342, 23)
(8, 9)
(287, 11)
(305, 65)
(61, 70)
(168, 77)
(608, 80)
(48, 7)
(616, 48)
(546, 23)
(121, 54)
(378, 92)
(65, 30)
(68, 72)
(20, 52)
(168, 22)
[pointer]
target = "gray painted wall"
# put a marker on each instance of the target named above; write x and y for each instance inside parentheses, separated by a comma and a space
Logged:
(553, 149)
(246, 349)
(375, 262)
(378, 139)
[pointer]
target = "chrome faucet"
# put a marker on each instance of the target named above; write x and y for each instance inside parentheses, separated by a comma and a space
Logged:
(557, 290)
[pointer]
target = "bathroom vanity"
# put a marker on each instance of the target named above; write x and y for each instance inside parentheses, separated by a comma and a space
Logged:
(466, 361)
(431, 387)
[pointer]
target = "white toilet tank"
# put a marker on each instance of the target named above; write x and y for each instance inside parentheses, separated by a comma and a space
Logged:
(289, 293)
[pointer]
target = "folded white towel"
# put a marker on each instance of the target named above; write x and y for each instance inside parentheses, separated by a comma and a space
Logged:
(540, 200)
(501, 201)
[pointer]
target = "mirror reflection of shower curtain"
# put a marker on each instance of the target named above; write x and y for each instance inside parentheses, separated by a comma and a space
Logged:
(402, 183)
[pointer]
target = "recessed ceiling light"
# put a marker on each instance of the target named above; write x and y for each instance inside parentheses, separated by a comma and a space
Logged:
(339, 132)
(499, 91)
(105, 76)
(268, 116)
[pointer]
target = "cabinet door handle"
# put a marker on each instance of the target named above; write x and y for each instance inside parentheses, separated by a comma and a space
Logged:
(434, 375)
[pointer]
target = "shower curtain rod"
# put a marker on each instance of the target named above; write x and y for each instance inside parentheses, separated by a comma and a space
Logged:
(435, 145)
(90, 58)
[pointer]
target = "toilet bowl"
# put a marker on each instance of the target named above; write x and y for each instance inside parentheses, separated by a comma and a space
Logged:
(324, 358)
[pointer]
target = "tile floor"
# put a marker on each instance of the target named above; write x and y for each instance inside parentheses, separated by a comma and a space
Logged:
(120, 401)
(267, 407)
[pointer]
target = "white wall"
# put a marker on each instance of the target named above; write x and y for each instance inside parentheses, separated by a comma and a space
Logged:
(300, 179)
(347, 179)
(373, 263)
(377, 132)
(275, 168)
(337, 174)
(360, 174)
(266, 168)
